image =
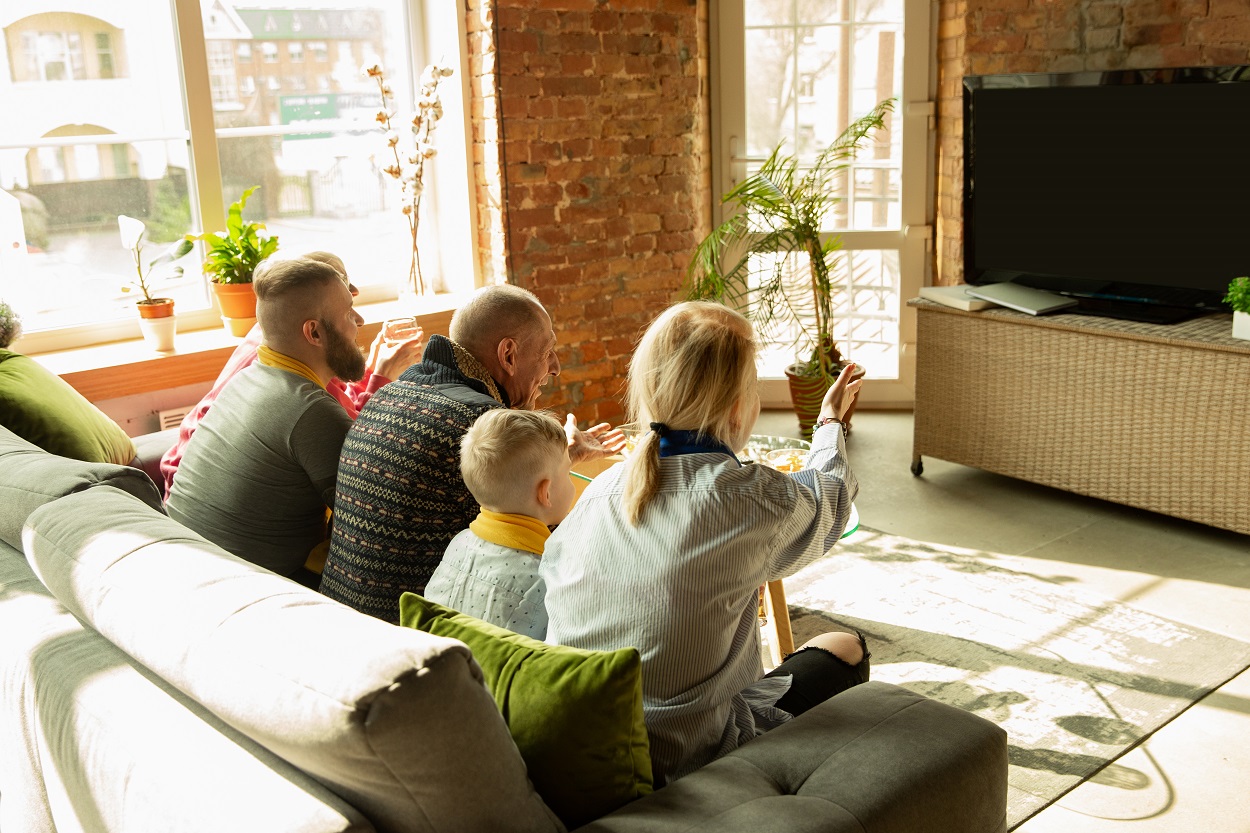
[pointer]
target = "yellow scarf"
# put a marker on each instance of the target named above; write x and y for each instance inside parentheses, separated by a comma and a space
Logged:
(272, 358)
(520, 532)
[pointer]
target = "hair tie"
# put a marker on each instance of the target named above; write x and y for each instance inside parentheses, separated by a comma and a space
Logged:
(659, 428)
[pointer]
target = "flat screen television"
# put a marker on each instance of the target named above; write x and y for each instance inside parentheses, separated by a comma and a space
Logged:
(1129, 190)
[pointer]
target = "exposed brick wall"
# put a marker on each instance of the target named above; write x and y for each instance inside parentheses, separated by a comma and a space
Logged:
(604, 171)
(980, 37)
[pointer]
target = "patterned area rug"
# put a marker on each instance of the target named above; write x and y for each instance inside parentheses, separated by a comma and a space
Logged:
(1075, 678)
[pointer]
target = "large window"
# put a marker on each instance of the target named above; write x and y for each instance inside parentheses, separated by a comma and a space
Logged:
(174, 143)
(796, 73)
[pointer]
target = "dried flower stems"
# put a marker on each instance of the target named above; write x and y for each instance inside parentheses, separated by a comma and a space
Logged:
(409, 168)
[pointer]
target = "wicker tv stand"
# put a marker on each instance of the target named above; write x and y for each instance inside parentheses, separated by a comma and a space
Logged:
(1152, 416)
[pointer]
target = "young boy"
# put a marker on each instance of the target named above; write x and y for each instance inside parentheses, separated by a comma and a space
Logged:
(516, 464)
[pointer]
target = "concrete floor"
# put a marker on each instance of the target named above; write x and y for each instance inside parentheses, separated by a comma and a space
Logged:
(1197, 766)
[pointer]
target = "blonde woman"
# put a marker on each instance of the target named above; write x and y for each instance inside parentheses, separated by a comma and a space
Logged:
(667, 552)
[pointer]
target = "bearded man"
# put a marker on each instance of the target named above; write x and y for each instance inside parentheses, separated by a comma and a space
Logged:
(260, 470)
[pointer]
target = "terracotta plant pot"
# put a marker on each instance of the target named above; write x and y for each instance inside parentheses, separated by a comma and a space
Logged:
(237, 300)
(238, 306)
(158, 324)
(807, 393)
(157, 308)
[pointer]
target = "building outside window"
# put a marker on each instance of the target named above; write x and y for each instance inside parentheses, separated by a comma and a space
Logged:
(221, 74)
(52, 56)
(75, 156)
(104, 54)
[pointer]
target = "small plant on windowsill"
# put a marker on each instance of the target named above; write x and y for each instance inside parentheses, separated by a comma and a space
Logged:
(230, 261)
(132, 232)
(156, 315)
(409, 165)
(1238, 298)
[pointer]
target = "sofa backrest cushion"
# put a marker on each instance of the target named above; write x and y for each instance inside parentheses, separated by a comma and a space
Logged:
(37, 404)
(575, 715)
(395, 721)
(91, 741)
(31, 477)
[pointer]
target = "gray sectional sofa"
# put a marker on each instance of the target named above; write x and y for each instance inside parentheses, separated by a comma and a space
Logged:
(150, 681)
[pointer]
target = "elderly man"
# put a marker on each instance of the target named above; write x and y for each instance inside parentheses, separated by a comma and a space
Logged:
(400, 497)
(260, 469)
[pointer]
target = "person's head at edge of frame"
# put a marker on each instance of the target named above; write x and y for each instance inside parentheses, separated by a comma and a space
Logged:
(507, 329)
(335, 261)
(517, 462)
(694, 370)
(304, 310)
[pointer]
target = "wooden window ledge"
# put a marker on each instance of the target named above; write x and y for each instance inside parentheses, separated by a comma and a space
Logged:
(126, 368)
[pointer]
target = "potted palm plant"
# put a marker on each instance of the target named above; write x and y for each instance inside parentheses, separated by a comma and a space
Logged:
(754, 260)
(1238, 298)
(156, 315)
(230, 260)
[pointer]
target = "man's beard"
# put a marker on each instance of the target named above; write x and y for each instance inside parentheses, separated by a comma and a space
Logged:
(345, 358)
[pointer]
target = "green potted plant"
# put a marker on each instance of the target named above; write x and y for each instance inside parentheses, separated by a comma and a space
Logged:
(156, 315)
(230, 260)
(754, 259)
(1238, 298)
(10, 325)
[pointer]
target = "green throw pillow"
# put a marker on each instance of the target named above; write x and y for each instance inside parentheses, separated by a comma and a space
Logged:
(42, 408)
(575, 715)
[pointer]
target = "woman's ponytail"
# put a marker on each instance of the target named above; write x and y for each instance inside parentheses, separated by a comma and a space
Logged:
(693, 370)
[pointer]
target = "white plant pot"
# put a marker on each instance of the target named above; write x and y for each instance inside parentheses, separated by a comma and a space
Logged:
(1241, 325)
(159, 332)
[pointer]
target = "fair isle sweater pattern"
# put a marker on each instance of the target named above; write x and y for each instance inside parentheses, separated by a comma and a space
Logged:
(400, 498)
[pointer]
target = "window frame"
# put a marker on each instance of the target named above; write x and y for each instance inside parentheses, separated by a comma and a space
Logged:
(449, 204)
(911, 240)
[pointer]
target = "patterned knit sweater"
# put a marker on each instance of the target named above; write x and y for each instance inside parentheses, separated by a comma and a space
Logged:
(400, 498)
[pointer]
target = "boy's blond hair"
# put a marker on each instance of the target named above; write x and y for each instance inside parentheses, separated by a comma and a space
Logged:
(695, 363)
(505, 454)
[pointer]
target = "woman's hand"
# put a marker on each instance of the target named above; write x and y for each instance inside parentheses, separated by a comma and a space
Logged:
(600, 441)
(840, 397)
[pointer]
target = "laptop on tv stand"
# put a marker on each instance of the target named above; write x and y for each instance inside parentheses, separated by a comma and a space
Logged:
(1021, 298)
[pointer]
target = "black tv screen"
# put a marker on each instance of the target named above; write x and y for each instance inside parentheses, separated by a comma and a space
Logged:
(1132, 186)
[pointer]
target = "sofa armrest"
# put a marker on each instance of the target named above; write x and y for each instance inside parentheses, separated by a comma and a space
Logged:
(149, 449)
(874, 759)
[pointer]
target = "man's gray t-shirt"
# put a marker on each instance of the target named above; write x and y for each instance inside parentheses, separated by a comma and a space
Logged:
(260, 470)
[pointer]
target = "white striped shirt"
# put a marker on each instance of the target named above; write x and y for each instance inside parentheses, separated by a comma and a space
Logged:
(682, 586)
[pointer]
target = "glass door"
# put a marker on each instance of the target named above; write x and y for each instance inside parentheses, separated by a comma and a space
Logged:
(796, 73)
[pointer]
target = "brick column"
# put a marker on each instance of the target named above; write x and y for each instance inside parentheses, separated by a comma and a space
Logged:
(604, 171)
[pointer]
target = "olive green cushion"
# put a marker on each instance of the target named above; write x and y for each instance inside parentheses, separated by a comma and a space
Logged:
(575, 715)
(41, 408)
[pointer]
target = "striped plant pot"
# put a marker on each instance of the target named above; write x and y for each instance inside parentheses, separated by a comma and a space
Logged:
(807, 393)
